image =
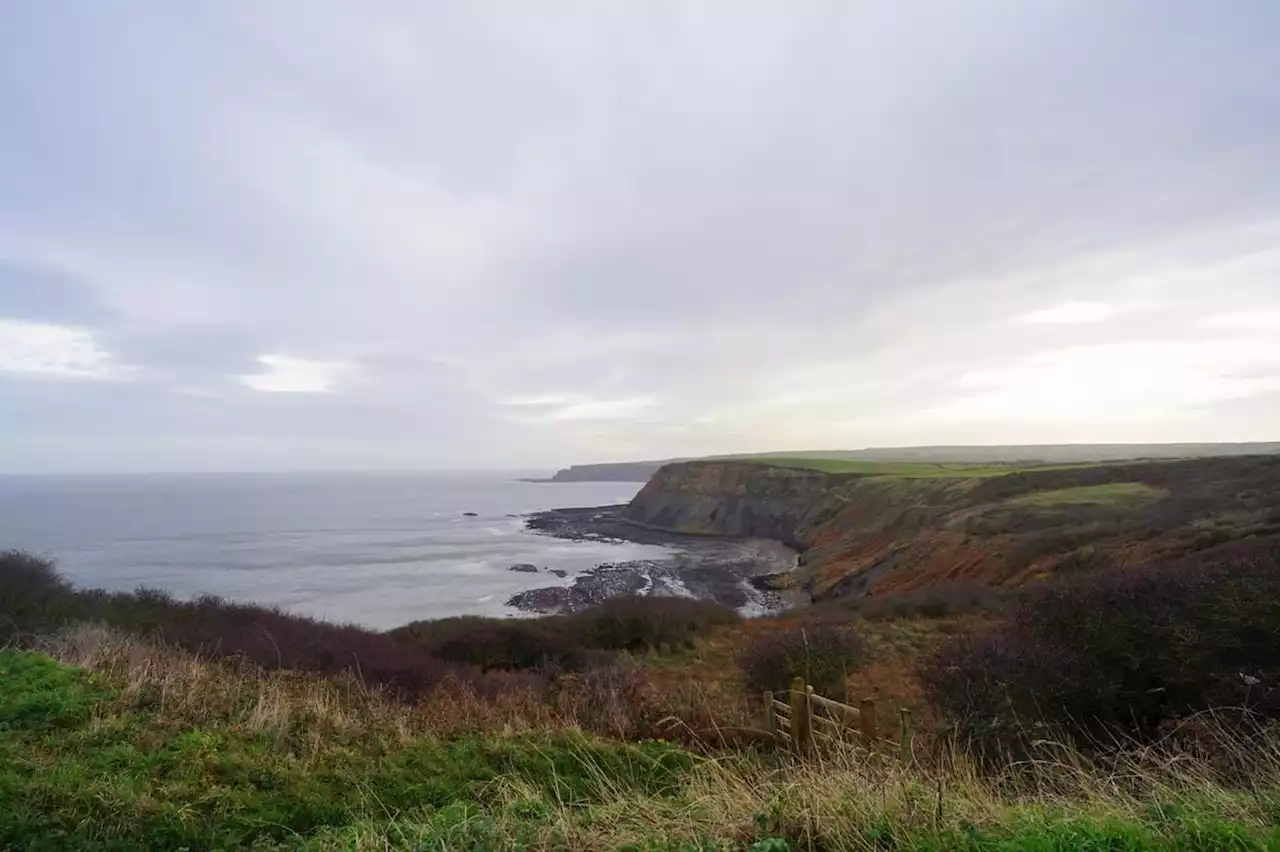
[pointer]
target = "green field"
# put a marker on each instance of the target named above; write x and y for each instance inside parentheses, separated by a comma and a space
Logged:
(161, 752)
(909, 470)
(1110, 494)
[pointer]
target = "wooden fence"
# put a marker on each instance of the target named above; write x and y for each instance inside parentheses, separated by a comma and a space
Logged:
(804, 721)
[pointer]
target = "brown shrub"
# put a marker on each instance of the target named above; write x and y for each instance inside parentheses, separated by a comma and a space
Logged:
(35, 599)
(489, 643)
(647, 623)
(941, 600)
(1123, 654)
(823, 654)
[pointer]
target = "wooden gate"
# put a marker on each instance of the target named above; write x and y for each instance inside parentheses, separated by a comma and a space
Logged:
(803, 721)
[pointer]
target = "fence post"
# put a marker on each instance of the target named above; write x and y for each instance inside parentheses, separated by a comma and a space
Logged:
(904, 735)
(867, 723)
(770, 716)
(801, 717)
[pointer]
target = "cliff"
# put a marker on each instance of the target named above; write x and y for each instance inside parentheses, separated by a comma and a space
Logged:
(868, 533)
(620, 472)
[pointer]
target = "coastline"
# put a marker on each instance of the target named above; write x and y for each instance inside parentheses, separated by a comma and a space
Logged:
(721, 569)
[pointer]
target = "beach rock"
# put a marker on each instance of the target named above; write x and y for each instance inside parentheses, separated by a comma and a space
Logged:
(559, 572)
(706, 567)
(524, 568)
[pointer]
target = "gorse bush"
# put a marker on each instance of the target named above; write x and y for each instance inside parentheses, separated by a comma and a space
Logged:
(824, 655)
(641, 624)
(35, 599)
(410, 661)
(1124, 654)
(940, 600)
(570, 642)
(505, 645)
(32, 594)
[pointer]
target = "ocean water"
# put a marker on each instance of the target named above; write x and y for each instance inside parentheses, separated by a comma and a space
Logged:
(375, 549)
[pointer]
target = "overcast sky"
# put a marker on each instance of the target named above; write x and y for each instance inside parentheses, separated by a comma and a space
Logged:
(326, 234)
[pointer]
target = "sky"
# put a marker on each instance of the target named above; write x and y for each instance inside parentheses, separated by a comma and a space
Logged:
(316, 234)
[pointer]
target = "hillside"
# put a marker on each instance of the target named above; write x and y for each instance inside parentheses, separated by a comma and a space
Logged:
(882, 528)
(642, 471)
(138, 721)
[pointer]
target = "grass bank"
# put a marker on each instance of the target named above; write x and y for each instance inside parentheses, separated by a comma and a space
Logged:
(1109, 494)
(115, 743)
(910, 470)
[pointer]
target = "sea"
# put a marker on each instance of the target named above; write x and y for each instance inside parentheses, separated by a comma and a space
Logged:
(377, 549)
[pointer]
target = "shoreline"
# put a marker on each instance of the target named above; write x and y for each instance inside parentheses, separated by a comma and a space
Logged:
(713, 568)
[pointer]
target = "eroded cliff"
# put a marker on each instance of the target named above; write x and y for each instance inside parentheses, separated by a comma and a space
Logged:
(878, 534)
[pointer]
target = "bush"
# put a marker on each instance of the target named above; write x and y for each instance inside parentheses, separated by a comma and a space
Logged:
(489, 644)
(32, 595)
(824, 655)
(647, 623)
(411, 661)
(1124, 654)
(35, 599)
(568, 643)
(941, 600)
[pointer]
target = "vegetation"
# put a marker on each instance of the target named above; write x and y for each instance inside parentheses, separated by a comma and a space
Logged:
(1124, 655)
(909, 470)
(1139, 705)
(413, 660)
(942, 600)
(824, 655)
(148, 749)
(1110, 494)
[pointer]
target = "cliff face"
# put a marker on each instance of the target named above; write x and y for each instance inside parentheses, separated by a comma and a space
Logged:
(735, 499)
(864, 534)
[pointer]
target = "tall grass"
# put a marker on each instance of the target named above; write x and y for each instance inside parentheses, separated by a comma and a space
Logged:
(157, 749)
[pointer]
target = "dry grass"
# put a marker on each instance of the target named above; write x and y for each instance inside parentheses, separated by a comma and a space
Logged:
(843, 799)
(187, 690)
(852, 801)
(622, 701)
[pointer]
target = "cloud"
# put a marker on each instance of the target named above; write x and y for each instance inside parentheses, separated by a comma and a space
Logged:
(1115, 384)
(296, 375)
(42, 349)
(632, 230)
(558, 408)
(1259, 320)
(1071, 313)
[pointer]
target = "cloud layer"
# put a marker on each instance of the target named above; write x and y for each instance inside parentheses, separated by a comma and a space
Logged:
(311, 234)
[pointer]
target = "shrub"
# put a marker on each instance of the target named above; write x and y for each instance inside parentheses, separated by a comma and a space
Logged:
(937, 601)
(490, 643)
(647, 623)
(824, 655)
(1123, 654)
(34, 599)
(32, 595)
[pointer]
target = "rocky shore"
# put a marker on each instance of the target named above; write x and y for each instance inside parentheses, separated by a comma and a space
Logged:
(709, 568)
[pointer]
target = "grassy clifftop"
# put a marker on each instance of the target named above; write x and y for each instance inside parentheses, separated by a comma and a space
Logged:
(881, 528)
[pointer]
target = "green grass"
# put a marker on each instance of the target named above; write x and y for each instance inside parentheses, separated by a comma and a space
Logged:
(79, 771)
(1110, 494)
(909, 470)
(88, 764)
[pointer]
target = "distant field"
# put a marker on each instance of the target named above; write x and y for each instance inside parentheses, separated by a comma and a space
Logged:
(1111, 494)
(910, 470)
